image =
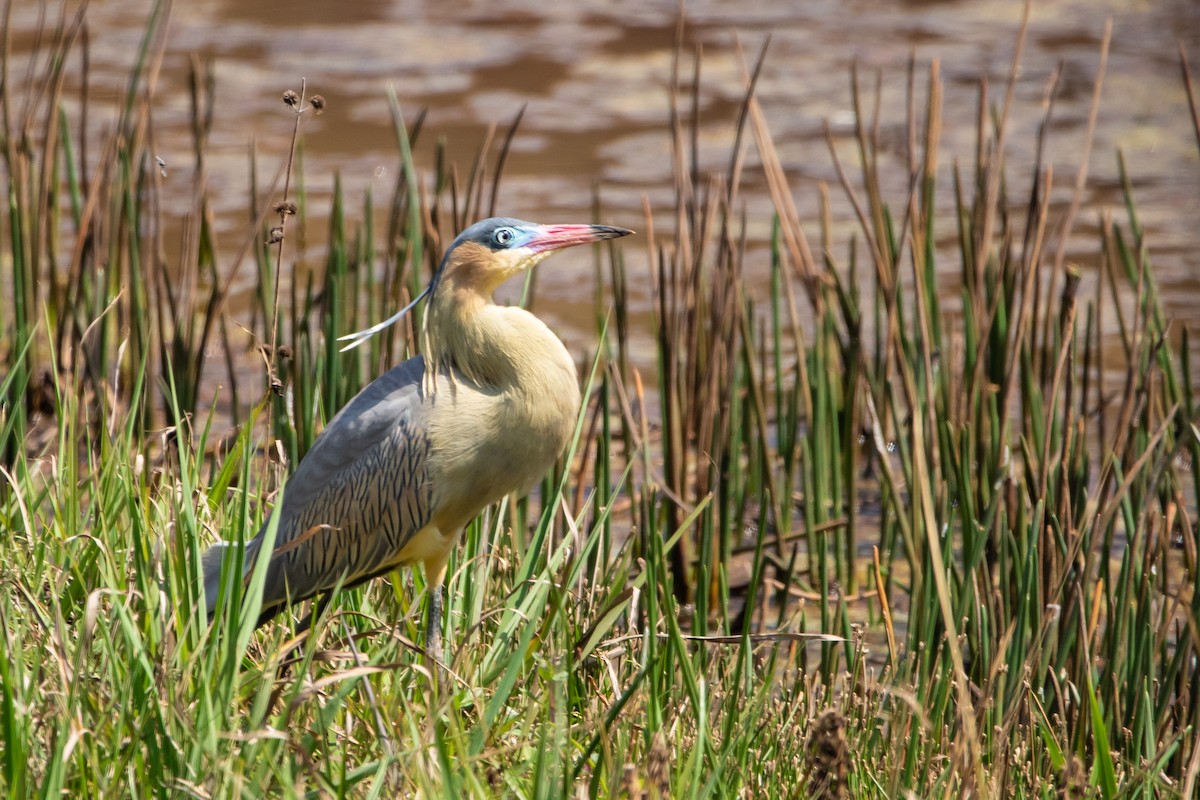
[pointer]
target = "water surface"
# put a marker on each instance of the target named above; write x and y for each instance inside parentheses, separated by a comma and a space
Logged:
(594, 78)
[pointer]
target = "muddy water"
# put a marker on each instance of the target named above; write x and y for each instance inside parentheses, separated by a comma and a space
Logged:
(594, 77)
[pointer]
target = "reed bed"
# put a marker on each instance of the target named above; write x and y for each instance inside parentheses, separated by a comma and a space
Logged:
(844, 542)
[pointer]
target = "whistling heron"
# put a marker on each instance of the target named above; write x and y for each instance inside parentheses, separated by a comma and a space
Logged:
(398, 473)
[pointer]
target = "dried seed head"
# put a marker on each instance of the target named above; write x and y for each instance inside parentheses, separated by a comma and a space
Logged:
(276, 235)
(631, 783)
(42, 398)
(282, 351)
(658, 767)
(828, 758)
(285, 208)
(290, 98)
(317, 102)
(1072, 780)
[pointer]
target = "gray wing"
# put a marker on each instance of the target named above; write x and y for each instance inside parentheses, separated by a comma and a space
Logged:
(359, 494)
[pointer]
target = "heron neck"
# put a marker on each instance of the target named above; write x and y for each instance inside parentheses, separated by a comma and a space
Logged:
(495, 346)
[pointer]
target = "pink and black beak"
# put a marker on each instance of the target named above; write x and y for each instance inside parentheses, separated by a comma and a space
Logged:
(554, 237)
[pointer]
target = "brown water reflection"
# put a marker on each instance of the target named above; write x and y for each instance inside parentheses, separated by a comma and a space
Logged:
(595, 78)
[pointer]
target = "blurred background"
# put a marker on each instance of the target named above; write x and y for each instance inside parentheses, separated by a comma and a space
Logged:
(595, 80)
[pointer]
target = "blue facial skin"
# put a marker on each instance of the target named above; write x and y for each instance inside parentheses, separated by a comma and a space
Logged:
(497, 233)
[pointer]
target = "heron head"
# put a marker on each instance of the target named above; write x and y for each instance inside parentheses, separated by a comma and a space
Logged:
(490, 252)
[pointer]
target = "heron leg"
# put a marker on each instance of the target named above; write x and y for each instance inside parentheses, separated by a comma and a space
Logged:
(433, 630)
(314, 612)
(435, 575)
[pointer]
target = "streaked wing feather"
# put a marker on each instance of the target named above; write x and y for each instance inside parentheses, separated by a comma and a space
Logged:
(359, 494)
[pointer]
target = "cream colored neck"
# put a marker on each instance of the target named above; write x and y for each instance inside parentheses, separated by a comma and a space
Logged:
(493, 346)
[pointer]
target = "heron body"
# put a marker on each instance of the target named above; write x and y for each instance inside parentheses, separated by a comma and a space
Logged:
(419, 452)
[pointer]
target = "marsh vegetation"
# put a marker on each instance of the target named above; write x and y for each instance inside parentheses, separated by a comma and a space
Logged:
(906, 524)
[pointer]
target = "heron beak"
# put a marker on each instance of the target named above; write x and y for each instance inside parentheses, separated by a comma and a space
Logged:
(555, 237)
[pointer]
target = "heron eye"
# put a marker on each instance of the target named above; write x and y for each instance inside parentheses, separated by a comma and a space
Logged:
(503, 237)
